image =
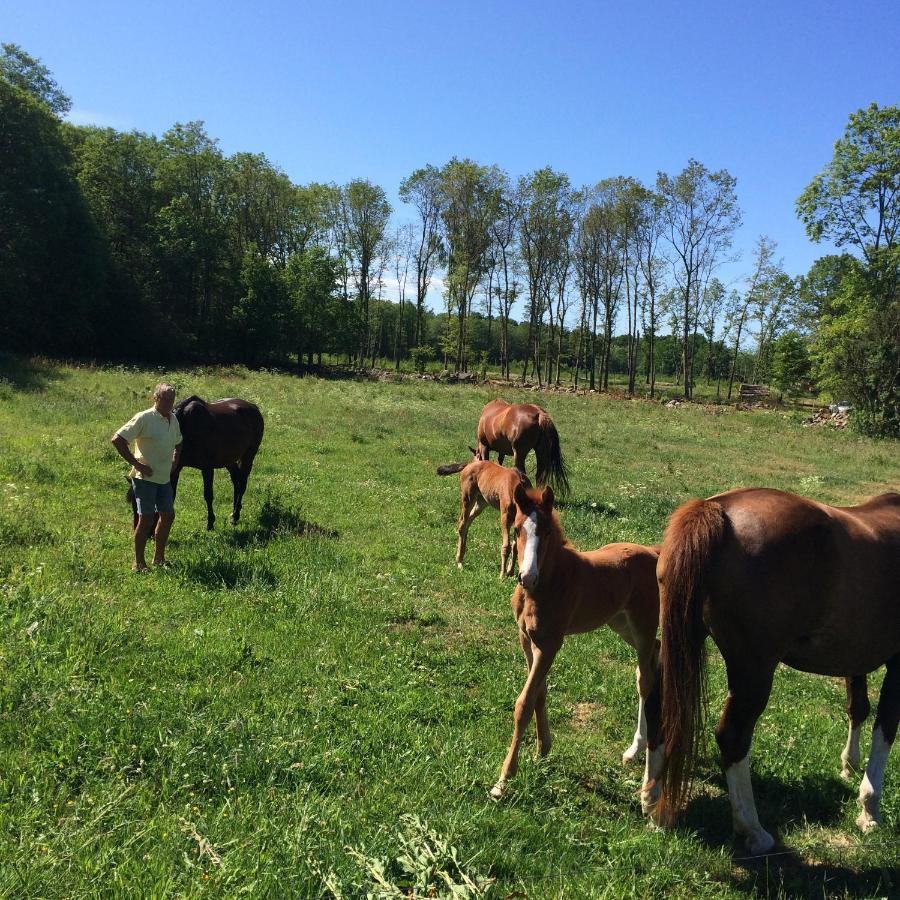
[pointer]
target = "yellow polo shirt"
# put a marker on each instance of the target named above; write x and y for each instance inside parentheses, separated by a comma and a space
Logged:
(155, 440)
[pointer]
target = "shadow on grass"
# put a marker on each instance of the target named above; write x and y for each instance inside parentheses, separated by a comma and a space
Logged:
(27, 374)
(819, 800)
(276, 520)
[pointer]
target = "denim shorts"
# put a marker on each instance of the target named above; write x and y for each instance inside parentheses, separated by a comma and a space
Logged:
(152, 497)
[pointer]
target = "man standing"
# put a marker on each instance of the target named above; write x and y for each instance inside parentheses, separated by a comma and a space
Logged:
(157, 439)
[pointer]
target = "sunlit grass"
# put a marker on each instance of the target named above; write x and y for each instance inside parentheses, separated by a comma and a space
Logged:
(319, 692)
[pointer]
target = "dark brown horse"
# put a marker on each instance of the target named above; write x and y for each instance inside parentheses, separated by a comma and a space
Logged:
(773, 577)
(518, 428)
(483, 484)
(225, 434)
(563, 591)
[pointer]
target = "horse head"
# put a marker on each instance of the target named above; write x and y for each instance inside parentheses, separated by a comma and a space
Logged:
(534, 523)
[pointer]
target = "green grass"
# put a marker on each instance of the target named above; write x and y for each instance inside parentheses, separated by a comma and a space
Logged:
(317, 701)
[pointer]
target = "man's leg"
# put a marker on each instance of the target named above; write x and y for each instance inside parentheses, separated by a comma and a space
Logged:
(165, 506)
(141, 536)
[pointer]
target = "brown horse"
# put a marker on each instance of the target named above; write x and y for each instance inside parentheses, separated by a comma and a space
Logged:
(562, 591)
(773, 577)
(483, 484)
(517, 429)
(224, 434)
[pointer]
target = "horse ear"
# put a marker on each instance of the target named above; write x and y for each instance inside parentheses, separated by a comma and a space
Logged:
(520, 495)
(547, 497)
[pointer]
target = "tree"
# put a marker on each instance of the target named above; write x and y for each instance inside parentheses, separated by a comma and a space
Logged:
(700, 216)
(423, 190)
(52, 265)
(365, 214)
(855, 202)
(470, 196)
(311, 279)
(28, 74)
(791, 363)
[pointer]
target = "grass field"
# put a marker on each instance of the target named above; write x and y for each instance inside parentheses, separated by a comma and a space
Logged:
(316, 702)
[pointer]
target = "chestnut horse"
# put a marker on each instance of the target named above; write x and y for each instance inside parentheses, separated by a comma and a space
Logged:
(563, 591)
(517, 429)
(224, 434)
(773, 577)
(483, 484)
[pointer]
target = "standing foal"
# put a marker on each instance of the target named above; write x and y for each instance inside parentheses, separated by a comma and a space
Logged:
(483, 484)
(563, 591)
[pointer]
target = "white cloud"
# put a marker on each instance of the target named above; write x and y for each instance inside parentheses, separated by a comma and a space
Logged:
(99, 119)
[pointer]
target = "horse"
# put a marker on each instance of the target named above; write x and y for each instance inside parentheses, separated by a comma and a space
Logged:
(483, 484)
(224, 434)
(517, 429)
(773, 577)
(562, 591)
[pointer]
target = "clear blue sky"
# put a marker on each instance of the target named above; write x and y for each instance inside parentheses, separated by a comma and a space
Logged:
(340, 90)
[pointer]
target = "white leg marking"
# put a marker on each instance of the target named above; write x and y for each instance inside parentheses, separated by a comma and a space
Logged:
(650, 790)
(743, 808)
(640, 736)
(528, 567)
(870, 789)
(850, 755)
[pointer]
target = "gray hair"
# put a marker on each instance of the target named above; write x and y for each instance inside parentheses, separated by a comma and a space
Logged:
(162, 389)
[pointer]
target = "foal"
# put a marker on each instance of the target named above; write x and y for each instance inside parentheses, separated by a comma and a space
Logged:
(483, 484)
(563, 591)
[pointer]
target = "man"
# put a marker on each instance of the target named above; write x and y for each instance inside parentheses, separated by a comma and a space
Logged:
(157, 439)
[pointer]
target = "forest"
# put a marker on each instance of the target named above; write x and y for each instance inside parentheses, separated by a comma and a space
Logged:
(126, 246)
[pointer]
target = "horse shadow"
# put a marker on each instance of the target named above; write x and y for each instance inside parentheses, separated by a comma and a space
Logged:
(820, 800)
(275, 520)
(27, 375)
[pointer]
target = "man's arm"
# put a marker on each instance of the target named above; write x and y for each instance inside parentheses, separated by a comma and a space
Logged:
(124, 451)
(176, 457)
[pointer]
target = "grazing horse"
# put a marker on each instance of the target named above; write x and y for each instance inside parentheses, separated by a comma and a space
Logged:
(773, 577)
(225, 434)
(517, 429)
(563, 591)
(483, 484)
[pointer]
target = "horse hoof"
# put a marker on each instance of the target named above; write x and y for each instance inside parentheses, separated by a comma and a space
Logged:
(760, 842)
(459, 565)
(632, 752)
(497, 789)
(867, 822)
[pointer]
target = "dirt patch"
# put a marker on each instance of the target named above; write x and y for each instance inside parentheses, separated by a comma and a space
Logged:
(584, 713)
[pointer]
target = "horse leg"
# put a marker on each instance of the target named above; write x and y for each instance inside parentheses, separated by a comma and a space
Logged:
(471, 509)
(530, 702)
(858, 709)
(883, 734)
(243, 470)
(500, 458)
(519, 459)
(239, 482)
(507, 554)
(208, 497)
(749, 687)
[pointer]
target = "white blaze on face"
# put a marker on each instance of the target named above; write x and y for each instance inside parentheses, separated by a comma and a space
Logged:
(528, 566)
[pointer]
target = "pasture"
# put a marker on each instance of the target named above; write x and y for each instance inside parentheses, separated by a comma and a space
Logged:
(316, 703)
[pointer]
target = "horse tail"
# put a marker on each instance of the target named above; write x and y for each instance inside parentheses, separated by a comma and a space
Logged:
(695, 532)
(550, 463)
(452, 469)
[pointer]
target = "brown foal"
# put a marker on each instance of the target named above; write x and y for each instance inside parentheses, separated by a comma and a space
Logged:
(483, 484)
(563, 591)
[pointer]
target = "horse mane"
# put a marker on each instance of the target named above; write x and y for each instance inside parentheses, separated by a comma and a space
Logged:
(180, 406)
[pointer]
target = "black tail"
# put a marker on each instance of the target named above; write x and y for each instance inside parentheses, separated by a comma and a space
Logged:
(551, 466)
(452, 469)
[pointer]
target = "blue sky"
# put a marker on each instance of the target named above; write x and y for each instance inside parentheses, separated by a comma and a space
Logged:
(335, 91)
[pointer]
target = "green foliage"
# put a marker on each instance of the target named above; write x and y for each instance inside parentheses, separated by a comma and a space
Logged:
(791, 364)
(31, 76)
(856, 347)
(855, 202)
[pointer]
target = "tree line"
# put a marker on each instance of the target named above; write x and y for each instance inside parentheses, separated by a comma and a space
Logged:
(131, 246)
